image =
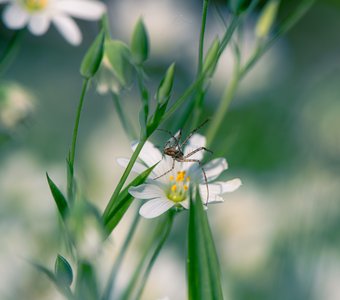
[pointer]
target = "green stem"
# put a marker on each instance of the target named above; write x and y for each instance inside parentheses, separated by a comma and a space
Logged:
(10, 51)
(155, 255)
(163, 229)
(120, 257)
(125, 175)
(125, 123)
(200, 95)
(227, 97)
(240, 73)
(284, 28)
(201, 42)
(76, 124)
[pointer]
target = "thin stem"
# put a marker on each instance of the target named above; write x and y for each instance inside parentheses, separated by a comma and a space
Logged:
(227, 97)
(120, 257)
(10, 51)
(155, 255)
(76, 124)
(285, 27)
(124, 176)
(136, 275)
(201, 41)
(125, 123)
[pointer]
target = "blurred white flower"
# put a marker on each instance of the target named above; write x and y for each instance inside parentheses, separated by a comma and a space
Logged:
(171, 190)
(38, 14)
(16, 104)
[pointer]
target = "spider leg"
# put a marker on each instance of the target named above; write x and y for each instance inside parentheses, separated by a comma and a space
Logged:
(195, 151)
(194, 131)
(177, 139)
(204, 174)
(172, 167)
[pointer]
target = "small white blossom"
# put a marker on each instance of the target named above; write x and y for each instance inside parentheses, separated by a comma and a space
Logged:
(171, 190)
(39, 14)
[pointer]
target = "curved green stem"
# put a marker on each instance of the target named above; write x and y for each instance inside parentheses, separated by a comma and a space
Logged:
(76, 124)
(162, 230)
(227, 97)
(120, 257)
(10, 51)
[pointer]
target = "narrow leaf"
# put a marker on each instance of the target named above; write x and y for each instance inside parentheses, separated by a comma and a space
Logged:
(93, 57)
(165, 87)
(58, 198)
(63, 271)
(204, 280)
(211, 58)
(118, 207)
(65, 290)
(86, 285)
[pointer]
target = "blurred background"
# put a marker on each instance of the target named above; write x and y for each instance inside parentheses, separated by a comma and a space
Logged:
(277, 236)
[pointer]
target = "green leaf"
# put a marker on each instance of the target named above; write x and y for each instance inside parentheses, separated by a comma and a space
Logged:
(210, 60)
(63, 271)
(140, 43)
(93, 57)
(239, 6)
(58, 198)
(86, 285)
(118, 207)
(204, 279)
(119, 56)
(165, 87)
(65, 290)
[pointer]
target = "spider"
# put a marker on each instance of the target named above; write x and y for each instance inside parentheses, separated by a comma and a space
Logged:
(174, 149)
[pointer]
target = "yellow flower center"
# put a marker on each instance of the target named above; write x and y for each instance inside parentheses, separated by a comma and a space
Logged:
(178, 187)
(34, 5)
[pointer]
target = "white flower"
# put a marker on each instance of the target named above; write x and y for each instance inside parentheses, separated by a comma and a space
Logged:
(171, 190)
(38, 14)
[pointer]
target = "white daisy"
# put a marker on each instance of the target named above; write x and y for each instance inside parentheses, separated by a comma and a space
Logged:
(39, 14)
(171, 190)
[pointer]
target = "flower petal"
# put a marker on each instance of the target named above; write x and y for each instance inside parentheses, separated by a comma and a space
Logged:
(15, 17)
(39, 24)
(155, 207)
(146, 191)
(214, 168)
(137, 167)
(68, 28)
(149, 154)
(83, 9)
(231, 185)
(218, 188)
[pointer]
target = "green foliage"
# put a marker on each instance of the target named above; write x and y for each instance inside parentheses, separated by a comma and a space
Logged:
(117, 207)
(240, 6)
(63, 271)
(58, 198)
(267, 18)
(211, 58)
(140, 43)
(119, 56)
(63, 289)
(165, 87)
(93, 57)
(204, 279)
(86, 285)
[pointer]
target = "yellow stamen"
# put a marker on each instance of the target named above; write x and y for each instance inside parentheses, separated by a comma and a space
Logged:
(185, 187)
(188, 179)
(174, 188)
(171, 178)
(35, 5)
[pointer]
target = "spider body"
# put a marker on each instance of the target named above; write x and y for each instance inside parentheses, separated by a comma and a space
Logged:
(177, 154)
(173, 148)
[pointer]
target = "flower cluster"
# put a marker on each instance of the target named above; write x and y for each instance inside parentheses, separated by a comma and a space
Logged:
(172, 189)
(39, 14)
